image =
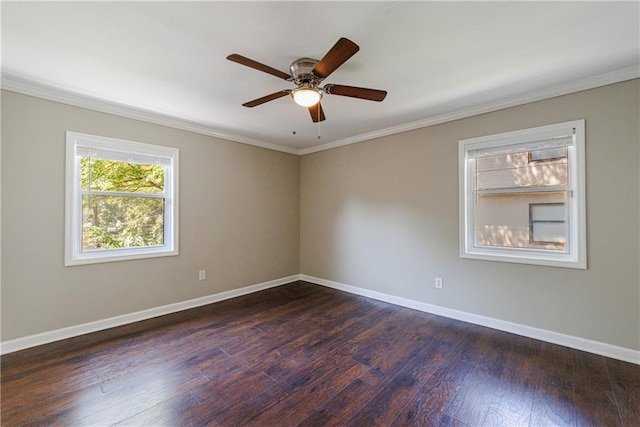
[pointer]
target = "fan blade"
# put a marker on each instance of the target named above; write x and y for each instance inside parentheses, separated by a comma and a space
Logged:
(267, 98)
(356, 92)
(317, 115)
(338, 55)
(258, 66)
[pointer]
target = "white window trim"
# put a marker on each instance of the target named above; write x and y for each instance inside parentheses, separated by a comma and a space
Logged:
(576, 254)
(73, 205)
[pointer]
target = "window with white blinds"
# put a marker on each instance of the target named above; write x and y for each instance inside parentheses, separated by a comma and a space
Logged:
(522, 196)
(121, 200)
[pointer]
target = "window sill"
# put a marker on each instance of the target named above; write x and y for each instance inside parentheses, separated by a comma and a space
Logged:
(526, 257)
(118, 255)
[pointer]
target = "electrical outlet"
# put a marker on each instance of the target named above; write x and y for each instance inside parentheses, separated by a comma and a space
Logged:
(202, 274)
(438, 282)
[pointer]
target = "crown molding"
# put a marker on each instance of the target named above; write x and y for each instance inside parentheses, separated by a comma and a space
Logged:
(40, 90)
(617, 76)
(51, 93)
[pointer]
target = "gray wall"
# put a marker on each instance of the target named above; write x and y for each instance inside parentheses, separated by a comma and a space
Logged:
(383, 215)
(239, 220)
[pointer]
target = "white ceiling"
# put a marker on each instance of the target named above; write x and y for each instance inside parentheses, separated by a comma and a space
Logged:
(435, 59)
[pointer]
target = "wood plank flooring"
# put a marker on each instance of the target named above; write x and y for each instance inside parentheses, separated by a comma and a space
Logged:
(302, 354)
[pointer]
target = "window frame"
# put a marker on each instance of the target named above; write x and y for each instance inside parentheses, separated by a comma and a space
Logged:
(575, 255)
(74, 255)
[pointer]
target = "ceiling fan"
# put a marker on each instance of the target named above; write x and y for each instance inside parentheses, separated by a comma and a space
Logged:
(308, 74)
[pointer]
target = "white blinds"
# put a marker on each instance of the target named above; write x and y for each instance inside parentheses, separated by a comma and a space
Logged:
(122, 156)
(557, 142)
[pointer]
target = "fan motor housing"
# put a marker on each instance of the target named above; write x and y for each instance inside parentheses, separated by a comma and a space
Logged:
(301, 69)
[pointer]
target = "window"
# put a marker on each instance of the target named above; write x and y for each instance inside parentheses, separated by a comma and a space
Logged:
(121, 200)
(522, 196)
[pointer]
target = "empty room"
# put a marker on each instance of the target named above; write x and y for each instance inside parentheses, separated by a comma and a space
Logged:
(310, 213)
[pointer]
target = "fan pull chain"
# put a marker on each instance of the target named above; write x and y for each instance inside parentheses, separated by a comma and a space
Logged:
(319, 122)
(292, 113)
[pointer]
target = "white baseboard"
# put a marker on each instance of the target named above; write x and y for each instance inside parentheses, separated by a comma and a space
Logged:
(596, 347)
(99, 325)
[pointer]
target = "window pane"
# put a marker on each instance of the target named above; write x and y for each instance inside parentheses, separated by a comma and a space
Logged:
(514, 170)
(547, 212)
(502, 220)
(549, 232)
(110, 222)
(111, 175)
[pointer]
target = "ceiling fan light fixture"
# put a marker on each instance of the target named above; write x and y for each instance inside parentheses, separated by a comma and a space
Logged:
(308, 74)
(306, 96)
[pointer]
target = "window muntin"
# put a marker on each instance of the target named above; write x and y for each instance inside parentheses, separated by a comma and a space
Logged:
(121, 200)
(502, 192)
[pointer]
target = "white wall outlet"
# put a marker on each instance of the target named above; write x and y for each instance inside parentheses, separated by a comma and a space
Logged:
(202, 274)
(438, 282)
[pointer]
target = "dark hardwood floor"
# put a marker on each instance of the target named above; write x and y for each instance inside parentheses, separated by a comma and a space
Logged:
(301, 354)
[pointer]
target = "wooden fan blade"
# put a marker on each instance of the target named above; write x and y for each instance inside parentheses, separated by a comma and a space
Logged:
(258, 66)
(317, 114)
(338, 55)
(267, 98)
(356, 92)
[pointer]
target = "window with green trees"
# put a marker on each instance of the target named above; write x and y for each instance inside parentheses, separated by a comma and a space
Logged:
(121, 199)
